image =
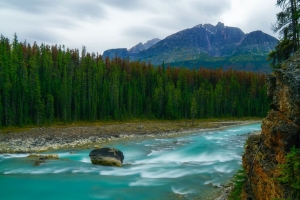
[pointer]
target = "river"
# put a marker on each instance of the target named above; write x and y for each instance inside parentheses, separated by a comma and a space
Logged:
(185, 167)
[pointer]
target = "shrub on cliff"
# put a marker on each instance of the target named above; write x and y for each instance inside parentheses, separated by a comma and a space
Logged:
(239, 179)
(290, 173)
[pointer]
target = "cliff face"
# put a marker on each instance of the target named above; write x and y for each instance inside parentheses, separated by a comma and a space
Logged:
(280, 131)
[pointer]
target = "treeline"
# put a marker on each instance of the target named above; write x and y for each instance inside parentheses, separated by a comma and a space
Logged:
(43, 84)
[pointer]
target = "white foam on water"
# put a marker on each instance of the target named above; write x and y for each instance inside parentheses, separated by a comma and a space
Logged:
(168, 173)
(195, 163)
(145, 182)
(149, 145)
(85, 160)
(155, 152)
(62, 170)
(181, 191)
(14, 155)
(126, 171)
(236, 130)
(208, 137)
(182, 157)
(12, 172)
(64, 155)
(223, 169)
(212, 182)
(26, 171)
(100, 196)
(85, 170)
(41, 171)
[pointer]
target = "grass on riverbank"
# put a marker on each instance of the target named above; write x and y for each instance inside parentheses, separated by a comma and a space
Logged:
(145, 123)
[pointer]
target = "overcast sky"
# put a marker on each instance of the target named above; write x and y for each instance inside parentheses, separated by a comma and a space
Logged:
(106, 24)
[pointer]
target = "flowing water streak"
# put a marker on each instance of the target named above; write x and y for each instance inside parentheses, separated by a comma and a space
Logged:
(187, 167)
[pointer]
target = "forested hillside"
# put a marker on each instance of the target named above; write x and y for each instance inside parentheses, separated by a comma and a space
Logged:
(43, 84)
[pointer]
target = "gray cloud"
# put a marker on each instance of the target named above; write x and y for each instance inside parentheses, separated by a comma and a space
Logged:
(62, 23)
(77, 10)
(85, 10)
(125, 4)
(30, 6)
(185, 15)
(104, 24)
(41, 36)
(141, 32)
(210, 8)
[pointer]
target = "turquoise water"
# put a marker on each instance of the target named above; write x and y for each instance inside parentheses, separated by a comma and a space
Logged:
(187, 167)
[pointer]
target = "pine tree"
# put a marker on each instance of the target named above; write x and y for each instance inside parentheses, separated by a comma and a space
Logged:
(288, 27)
(193, 109)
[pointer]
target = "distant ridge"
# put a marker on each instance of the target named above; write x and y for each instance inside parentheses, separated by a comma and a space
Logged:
(208, 46)
(123, 52)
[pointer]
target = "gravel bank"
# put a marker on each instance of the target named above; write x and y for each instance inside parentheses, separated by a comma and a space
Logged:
(44, 139)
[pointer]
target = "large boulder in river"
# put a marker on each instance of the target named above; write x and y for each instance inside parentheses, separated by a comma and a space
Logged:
(107, 157)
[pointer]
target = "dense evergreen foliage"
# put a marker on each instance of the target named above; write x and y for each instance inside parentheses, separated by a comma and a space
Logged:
(288, 26)
(290, 173)
(43, 84)
(239, 180)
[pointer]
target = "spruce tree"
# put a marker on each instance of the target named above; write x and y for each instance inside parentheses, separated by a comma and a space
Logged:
(288, 27)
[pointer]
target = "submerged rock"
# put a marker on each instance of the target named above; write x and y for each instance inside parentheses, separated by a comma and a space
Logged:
(39, 161)
(107, 157)
(41, 158)
(44, 156)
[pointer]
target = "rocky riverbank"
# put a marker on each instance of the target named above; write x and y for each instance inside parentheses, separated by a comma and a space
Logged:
(50, 138)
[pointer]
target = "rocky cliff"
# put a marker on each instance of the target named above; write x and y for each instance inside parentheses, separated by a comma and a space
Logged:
(280, 131)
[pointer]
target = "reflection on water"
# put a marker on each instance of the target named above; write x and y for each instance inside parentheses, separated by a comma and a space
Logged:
(186, 167)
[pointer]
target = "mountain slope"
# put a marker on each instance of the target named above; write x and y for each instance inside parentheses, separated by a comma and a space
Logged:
(256, 42)
(141, 47)
(190, 43)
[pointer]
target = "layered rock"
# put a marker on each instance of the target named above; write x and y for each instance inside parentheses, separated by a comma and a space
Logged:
(107, 157)
(280, 132)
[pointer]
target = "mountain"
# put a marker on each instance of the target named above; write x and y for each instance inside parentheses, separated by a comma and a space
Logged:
(120, 52)
(209, 46)
(123, 52)
(141, 47)
(256, 42)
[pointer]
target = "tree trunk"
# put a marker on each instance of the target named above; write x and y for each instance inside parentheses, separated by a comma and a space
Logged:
(294, 24)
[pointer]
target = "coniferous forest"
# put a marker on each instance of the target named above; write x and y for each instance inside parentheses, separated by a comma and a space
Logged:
(43, 84)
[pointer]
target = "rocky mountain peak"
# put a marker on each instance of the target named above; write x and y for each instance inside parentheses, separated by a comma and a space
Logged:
(141, 47)
(210, 28)
(220, 26)
(150, 43)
